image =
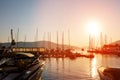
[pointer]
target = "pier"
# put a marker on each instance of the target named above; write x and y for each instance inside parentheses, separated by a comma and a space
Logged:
(30, 49)
(47, 53)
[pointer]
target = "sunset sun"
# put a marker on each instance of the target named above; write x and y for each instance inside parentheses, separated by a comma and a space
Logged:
(93, 28)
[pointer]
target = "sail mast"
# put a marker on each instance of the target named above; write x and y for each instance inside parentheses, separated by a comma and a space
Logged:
(101, 39)
(48, 43)
(57, 40)
(17, 36)
(62, 40)
(69, 38)
(36, 37)
(24, 41)
(89, 41)
(44, 43)
(50, 39)
(105, 39)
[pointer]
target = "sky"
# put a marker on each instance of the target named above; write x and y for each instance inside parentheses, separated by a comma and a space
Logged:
(59, 16)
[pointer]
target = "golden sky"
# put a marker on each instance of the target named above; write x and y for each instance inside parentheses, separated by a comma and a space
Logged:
(60, 15)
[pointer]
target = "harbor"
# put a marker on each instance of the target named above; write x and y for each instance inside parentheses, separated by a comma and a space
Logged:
(65, 65)
(57, 62)
(59, 39)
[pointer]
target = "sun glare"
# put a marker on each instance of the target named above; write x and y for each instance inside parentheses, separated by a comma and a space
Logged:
(94, 68)
(93, 28)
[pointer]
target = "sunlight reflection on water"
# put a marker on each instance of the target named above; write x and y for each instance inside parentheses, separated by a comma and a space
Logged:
(77, 69)
(94, 68)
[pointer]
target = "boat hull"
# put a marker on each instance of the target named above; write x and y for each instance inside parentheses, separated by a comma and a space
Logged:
(32, 73)
(37, 74)
(106, 73)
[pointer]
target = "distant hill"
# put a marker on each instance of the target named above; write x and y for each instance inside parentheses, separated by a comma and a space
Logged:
(39, 44)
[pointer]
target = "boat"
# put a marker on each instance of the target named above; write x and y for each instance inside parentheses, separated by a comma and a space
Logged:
(108, 73)
(21, 66)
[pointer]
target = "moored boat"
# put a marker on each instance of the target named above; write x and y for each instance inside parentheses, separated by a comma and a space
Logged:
(21, 66)
(107, 73)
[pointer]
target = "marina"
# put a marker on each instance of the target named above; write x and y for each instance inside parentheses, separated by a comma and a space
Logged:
(46, 63)
(59, 40)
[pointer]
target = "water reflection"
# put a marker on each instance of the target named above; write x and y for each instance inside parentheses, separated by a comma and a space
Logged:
(78, 69)
(94, 68)
(57, 64)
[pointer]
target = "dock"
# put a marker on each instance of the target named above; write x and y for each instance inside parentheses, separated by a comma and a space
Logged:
(51, 53)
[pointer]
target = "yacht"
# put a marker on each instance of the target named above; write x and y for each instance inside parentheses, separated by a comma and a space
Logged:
(21, 66)
(108, 73)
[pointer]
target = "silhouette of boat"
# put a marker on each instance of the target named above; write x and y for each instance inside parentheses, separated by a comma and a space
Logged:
(107, 73)
(21, 66)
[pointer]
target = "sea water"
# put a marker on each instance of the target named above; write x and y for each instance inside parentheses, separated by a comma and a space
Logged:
(80, 68)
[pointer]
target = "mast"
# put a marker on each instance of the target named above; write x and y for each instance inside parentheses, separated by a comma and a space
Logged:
(89, 41)
(62, 40)
(50, 39)
(17, 36)
(57, 40)
(92, 42)
(69, 38)
(105, 39)
(44, 43)
(11, 35)
(101, 40)
(48, 43)
(36, 37)
(12, 40)
(24, 41)
(8, 39)
(111, 40)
